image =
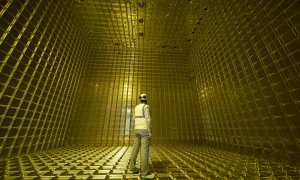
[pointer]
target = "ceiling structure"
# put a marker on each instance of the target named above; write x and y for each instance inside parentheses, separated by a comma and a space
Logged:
(144, 24)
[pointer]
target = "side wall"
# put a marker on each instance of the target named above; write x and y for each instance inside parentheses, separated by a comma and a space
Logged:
(246, 61)
(42, 55)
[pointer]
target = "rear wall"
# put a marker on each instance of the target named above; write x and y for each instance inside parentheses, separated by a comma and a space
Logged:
(109, 91)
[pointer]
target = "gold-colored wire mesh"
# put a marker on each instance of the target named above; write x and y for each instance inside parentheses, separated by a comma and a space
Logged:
(41, 61)
(225, 74)
(167, 162)
(112, 83)
(246, 61)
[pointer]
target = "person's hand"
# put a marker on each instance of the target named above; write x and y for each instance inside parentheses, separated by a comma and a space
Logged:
(150, 135)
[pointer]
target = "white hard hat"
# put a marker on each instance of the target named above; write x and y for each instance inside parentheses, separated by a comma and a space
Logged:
(143, 97)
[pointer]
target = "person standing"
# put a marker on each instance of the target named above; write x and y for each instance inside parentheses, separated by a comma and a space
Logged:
(142, 138)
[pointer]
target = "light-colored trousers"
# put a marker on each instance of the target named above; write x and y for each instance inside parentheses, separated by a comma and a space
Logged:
(141, 140)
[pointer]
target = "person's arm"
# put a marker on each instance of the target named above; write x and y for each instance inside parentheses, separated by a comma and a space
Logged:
(148, 119)
(133, 115)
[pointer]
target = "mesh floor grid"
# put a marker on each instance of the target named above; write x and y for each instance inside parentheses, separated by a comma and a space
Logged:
(167, 162)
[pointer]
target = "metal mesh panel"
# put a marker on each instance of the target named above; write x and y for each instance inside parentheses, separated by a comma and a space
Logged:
(167, 162)
(246, 57)
(41, 62)
(242, 95)
(155, 25)
(110, 89)
(133, 51)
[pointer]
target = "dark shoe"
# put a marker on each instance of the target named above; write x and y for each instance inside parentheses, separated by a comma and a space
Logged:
(134, 171)
(149, 176)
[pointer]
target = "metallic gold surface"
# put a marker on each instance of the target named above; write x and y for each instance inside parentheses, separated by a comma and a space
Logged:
(246, 61)
(221, 74)
(110, 91)
(41, 65)
(167, 162)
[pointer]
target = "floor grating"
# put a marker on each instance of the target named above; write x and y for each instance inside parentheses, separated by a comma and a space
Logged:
(167, 162)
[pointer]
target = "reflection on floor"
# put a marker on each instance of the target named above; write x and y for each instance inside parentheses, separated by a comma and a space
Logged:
(167, 162)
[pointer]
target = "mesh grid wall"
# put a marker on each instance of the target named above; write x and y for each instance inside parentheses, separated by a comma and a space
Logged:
(246, 61)
(109, 93)
(41, 56)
